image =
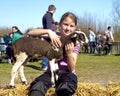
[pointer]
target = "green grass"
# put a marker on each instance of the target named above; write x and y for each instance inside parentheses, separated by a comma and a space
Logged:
(98, 69)
(89, 68)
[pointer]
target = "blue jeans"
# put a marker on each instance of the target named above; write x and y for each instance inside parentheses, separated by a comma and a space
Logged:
(98, 49)
(107, 49)
(92, 47)
(44, 62)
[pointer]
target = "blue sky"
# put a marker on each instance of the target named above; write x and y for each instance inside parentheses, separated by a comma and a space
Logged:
(28, 13)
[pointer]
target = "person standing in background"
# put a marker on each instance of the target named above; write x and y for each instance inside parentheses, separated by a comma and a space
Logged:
(48, 23)
(57, 28)
(109, 37)
(8, 49)
(92, 42)
(16, 34)
(109, 34)
(47, 20)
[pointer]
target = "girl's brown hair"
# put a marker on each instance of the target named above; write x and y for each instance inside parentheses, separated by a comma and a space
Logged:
(69, 14)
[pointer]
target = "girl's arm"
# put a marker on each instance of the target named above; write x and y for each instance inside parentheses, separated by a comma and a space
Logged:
(55, 39)
(37, 32)
(71, 56)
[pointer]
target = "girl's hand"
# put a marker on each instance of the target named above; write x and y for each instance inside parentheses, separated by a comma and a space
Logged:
(54, 38)
(69, 48)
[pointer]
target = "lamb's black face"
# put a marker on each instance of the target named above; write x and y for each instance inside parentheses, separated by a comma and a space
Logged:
(75, 38)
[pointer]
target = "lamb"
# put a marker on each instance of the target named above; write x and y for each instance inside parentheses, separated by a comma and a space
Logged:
(28, 47)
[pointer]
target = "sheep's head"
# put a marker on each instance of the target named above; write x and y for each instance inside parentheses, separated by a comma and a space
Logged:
(75, 38)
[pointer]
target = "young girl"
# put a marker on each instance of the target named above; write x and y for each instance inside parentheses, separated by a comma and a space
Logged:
(67, 81)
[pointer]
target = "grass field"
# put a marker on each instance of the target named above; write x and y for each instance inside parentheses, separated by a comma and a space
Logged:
(89, 68)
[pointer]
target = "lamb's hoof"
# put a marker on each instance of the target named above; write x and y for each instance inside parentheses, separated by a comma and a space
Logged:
(24, 83)
(10, 87)
(53, 84)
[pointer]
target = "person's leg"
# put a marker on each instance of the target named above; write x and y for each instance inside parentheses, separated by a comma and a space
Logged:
(107, 50)
(40, 85)
(90, 44)
(66, 84)
(93, 46)
(98, 48)
(8, 53)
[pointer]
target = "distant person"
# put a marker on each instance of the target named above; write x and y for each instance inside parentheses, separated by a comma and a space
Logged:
(9, 48)
(109, 37)
(92, 41)
(98, 36)
(16, 34)
(102, 45)
(6, 39)
(47, 20)
(57, 28)
(109, 34)
(98, 42)
(48, 23)
(5, 42)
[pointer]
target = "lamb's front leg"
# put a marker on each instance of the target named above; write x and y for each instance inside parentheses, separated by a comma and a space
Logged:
(52, 69)
(56, 70)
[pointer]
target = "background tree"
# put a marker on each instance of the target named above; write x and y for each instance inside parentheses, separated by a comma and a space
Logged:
(97, 23)
(4, 31)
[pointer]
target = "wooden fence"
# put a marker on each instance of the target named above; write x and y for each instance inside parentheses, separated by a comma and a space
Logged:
(115, 47)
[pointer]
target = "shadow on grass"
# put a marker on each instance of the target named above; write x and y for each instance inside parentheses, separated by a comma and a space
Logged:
(117, 54)
(95, 54)
(33, 67)
(104, 54)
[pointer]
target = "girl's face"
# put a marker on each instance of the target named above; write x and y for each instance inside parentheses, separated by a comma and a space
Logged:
(67, 27)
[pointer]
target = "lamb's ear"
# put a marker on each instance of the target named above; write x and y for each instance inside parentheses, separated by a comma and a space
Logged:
(75, 38)
(74, 35)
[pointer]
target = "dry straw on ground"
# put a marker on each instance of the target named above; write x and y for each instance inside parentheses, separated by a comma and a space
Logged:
(84, 89)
